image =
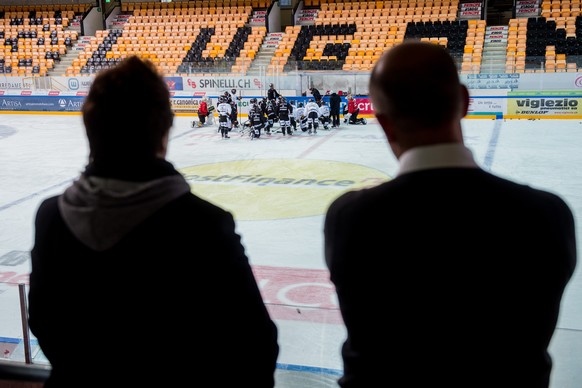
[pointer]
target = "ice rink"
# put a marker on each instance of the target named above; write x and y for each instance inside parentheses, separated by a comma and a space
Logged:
(283, 187)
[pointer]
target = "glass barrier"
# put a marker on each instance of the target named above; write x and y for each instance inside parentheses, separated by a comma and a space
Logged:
(300, 299)
(309, 339)
(16, 342)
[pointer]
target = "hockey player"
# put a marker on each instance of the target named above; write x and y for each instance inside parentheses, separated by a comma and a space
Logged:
(263, 105)
(224, 113)
(211, 110)
(353, 112)
(292, 115)
(233, 108)
(325, 115)
(256, 119)
(301, 117)
(312, 110)
(284, 110)
(202, 112)
(271, 115)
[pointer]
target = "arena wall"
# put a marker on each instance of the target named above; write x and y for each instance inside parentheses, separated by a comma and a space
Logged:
(526, 95)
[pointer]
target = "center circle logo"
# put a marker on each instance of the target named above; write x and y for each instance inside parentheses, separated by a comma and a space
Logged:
(268, 189)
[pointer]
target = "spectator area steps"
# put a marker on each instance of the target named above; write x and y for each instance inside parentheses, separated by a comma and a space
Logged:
(494, 49)
(265, 53)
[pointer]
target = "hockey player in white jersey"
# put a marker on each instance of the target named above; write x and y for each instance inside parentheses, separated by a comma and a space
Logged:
(312, 110)
(301, 116)
(224, 112)
(325, 115)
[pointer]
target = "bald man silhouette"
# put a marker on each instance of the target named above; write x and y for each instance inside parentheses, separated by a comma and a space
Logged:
(446, 275)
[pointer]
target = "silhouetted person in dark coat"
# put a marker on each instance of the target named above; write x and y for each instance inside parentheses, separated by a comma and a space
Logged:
(446, 275)
(334, 108)
(128, 249)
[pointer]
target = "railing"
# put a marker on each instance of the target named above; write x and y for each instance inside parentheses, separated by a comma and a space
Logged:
(309, 338)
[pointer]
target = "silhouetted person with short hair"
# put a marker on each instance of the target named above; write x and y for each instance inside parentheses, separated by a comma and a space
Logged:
(334, 106)
(446, 275)
(135, 280)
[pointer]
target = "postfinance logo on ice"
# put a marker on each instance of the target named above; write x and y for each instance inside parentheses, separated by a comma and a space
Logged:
(278, 188)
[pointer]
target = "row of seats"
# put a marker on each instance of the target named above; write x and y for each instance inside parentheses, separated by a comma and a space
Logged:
(407, 11)
(363, 5)
(65, 7)
(190, 11)
(151, 5)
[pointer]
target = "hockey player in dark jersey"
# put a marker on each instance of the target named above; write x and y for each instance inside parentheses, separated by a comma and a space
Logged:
(284, 109)
(233, 107)
(271, 116)
(256, 119)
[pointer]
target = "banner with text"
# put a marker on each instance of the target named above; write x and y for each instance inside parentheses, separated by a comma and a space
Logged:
(544, 104)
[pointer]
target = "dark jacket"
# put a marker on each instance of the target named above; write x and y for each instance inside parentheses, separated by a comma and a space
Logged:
(334, 103)
(272, 94)
(449, 276)
(136, 280)
(316, 94)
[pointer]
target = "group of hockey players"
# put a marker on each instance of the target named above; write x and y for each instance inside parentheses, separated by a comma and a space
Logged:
(291, 117)
(227, 110)
(274, 108)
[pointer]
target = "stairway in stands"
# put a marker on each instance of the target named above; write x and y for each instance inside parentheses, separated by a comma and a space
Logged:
(60, 68)
(265, 54)
(494, 50)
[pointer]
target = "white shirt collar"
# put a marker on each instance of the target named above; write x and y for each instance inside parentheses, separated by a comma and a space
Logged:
(436, 156)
